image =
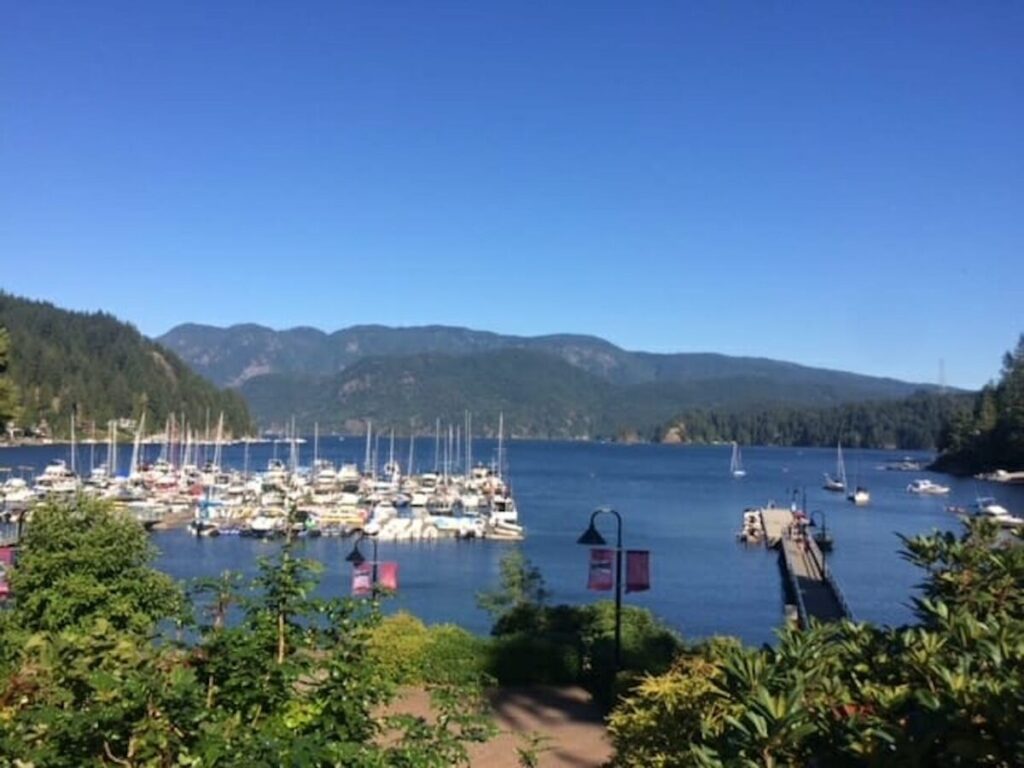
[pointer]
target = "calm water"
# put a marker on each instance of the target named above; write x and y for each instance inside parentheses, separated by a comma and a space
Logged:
(679, 502)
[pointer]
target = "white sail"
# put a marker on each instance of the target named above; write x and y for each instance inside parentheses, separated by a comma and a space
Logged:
(736, 462)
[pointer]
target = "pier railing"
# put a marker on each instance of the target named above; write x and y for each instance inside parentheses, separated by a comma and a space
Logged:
(819, 561)
(794, 586)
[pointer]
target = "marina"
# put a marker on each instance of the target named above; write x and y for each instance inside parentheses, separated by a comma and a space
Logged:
(187, 484)
(680, 502)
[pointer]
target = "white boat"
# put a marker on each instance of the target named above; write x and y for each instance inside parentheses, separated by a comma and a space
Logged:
(838, 482)
(736, 462)
(753, 527)
(988, 507)
(926, 487)
(861, 497)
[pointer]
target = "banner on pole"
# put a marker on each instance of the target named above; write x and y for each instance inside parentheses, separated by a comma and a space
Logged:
(638, 570)
(6, 561)
(362, 580)
(601, 578)
(389, 575)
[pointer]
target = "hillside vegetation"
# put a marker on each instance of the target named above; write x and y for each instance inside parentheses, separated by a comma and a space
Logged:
(58, 360)
(990, 435)
(548, 386)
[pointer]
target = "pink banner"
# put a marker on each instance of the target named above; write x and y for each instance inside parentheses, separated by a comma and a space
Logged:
(601, 579)
(6, 561)
(389, 575)
(638, 570)
(362, 580)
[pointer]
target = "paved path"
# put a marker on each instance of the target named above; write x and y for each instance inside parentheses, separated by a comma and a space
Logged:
(571, 728)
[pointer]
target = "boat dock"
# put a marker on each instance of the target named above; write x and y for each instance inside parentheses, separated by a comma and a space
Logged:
(811, 590)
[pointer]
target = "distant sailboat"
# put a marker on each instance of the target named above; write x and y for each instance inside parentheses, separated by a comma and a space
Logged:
(837, 483)
(736, 462)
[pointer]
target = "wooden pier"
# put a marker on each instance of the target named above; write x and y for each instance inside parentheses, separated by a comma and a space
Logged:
(810, 587)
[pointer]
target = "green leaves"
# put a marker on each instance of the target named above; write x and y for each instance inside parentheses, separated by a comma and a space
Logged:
(949, 691)
(289, 680)
(81, 561)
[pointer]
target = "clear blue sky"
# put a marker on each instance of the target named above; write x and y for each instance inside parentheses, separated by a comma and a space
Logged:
(834, 184)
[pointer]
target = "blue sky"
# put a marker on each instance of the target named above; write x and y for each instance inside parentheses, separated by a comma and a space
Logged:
(838, 184)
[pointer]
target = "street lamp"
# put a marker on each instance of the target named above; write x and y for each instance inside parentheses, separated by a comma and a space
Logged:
(356, 557)
(591, 538)
(821, 537)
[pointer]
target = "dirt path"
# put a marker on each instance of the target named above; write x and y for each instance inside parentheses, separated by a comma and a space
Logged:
(570, 727)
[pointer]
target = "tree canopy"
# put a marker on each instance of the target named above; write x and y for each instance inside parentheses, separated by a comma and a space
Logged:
(948, 690)
(62, 362)
(991, 435)
(268, 674)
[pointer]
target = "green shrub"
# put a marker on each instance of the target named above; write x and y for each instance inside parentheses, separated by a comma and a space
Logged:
(453, 656)
(397, 647)
(531, 659)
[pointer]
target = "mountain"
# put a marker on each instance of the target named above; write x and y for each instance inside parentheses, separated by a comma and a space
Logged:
(59, 359)
(559, 385)
(232, 356)
(540, 394)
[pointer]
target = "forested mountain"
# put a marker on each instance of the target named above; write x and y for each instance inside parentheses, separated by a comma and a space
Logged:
(543, 396)
(232, 356)
(549, 386)
(59, 359)
(990, 435)
(915, 422)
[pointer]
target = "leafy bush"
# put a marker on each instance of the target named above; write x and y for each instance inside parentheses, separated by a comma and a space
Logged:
(453, 656)
(295, 681)
(531, 659)
(949, 691)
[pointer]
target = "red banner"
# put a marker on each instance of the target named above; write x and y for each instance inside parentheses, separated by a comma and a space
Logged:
(638, 570)
(389, 575)
(6, 561)
(362, 580)
(601, 578)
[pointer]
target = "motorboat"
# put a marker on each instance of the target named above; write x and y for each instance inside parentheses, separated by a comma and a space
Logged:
(860, 496)
(987, 507)
(926, 487)
(753, 527)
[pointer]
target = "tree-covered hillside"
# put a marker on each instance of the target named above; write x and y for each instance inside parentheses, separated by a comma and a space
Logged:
(544, 396)
(915, 422)
(59, 360)
(234, 355)
(990, 435)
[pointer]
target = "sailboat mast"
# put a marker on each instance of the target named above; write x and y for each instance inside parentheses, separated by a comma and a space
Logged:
(73, 463)
(437, 443)
(412, 445)
(501, 444)
(366, 460)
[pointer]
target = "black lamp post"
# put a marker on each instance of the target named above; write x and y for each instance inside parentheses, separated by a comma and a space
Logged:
(593, 538)
(356, 557)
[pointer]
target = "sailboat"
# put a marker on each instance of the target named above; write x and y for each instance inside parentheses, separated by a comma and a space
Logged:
(837, 483)
(860, 495)
(736, 462)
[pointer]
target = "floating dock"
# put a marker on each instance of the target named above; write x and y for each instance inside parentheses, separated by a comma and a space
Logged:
(810, 587)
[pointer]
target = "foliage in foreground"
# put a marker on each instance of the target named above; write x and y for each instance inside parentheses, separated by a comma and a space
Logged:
(948, 691)
(292, 681)
(536, 643)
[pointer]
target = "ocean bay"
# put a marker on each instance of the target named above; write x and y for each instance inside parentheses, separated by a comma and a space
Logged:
(677, 501)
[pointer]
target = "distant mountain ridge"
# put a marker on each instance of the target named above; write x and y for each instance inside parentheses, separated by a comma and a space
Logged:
(231, 356)
(558, 385)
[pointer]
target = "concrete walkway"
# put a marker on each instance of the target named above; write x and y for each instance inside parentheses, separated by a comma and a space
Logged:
(570, 728)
